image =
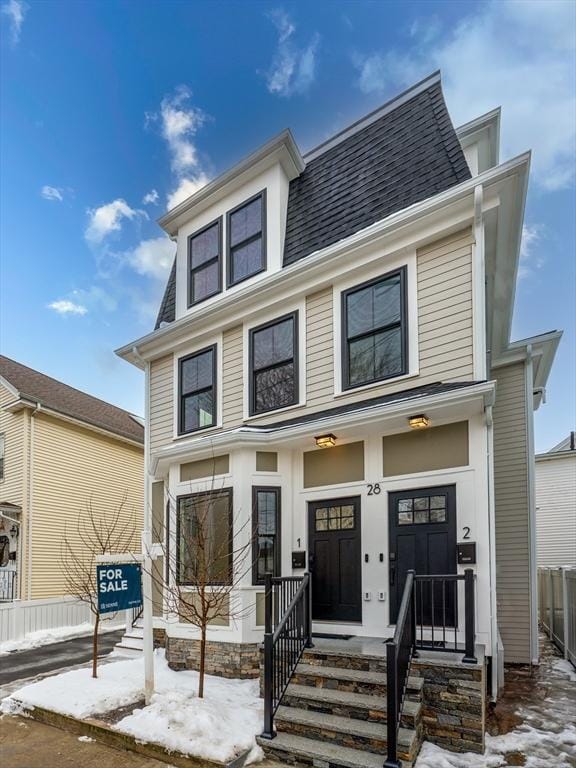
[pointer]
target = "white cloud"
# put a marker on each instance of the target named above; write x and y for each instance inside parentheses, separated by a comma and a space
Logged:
(293, 68)
(65, 307)
(151, 198)
(153, 257)
(519, 55)
(52, 193)
(108, 218)
(15, 10)
(531, 258)
(186, 188)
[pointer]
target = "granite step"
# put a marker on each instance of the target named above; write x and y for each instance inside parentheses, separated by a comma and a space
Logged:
(345, 659)
(352, 680)
(301, 752)
(357, 706)
(335, 729)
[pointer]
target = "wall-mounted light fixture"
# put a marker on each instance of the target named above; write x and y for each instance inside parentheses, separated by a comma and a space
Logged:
(419, 422)
(325, 441)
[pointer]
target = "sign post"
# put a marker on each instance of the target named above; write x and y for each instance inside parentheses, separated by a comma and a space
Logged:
(148, 617)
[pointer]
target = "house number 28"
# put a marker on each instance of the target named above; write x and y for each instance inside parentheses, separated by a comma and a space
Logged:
(374, 489)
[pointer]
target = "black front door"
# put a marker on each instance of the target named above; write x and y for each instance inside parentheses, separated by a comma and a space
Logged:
(422, 526)
(334, 550)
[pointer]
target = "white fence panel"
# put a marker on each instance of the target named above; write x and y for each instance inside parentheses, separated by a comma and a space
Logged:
(20, 617)
(557, 608)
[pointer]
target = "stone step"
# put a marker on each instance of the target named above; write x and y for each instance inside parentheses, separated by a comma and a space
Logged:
(352, 680)
(354, 734)
(345, 659)
(357, 706)
(301, 752)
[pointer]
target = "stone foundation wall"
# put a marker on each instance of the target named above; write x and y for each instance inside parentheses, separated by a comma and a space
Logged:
(233, 660)
(159, 637)
(453, 703)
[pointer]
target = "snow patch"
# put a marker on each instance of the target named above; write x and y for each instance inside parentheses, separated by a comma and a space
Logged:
(564, 666)
(86, 739)
(220, 726)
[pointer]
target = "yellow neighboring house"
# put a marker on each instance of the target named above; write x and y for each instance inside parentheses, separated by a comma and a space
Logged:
(59, 450)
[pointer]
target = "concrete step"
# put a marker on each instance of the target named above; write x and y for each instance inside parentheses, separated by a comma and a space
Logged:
(357, 706)
(301, 752)
(354, 734)
(352, 680)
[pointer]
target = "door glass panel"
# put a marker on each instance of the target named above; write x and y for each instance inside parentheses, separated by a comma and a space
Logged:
(438, 502)
(437, 515)
(421, 503)
(405, 518)
(321, 519)
(404, 505)
(421, 516)
(335, 518)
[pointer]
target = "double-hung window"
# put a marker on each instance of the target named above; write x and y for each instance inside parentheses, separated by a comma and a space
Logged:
(274, 365)
(205, 263)
(374, 330)
(197, 391)
(246, 228)
(266, 532)
(204, 538)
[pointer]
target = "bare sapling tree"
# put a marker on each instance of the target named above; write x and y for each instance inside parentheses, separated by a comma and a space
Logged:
(96, 532)
(205, 564)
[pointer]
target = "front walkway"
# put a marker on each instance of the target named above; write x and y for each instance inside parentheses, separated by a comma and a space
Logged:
(533, 723)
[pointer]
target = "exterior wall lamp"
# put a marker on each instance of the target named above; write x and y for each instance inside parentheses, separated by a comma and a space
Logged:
(325, 441)
(419, 422)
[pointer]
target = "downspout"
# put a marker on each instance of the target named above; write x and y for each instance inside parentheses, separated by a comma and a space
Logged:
(529, 386)
(492, 549)
(30, 498)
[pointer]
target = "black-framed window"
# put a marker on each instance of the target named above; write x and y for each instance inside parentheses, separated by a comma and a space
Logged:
(266, 532)
(274, 364)
(205, 263)
(374, 330)
(246, 239)
(197, 391)
(204, 538)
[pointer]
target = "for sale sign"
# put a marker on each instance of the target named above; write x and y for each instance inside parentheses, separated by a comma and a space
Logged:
(119, 586)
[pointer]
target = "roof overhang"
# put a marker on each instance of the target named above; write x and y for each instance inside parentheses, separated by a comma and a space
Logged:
(446, 212)
(381, 418)
(541, 350)
(553, 455)
(281, 149)
(484, 131)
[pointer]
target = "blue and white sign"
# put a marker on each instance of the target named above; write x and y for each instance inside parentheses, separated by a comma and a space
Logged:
(119, 586)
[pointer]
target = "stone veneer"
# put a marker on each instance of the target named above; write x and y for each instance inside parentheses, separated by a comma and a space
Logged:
(159, 637)
(233, 660)
(453, 701)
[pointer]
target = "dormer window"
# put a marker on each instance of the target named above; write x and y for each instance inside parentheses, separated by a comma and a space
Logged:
(246, 227)
(205, 263)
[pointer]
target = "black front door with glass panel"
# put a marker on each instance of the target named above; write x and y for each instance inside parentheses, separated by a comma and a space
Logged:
(422, 526)
(335, 559)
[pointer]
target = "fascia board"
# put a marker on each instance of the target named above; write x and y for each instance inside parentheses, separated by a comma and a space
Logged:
(246, 436)
(10, 387)
(153, 344)
(281, 148)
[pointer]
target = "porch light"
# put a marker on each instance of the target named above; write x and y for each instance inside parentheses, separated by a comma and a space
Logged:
(325, 441)
(419, 422)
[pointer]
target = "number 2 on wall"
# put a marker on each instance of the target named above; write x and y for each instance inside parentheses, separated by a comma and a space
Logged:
(466, 532)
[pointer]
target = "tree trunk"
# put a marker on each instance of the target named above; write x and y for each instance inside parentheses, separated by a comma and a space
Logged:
(202, 662)
(95, 646)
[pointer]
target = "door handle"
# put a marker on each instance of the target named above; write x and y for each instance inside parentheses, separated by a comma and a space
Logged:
(311, 561)
(392, 575)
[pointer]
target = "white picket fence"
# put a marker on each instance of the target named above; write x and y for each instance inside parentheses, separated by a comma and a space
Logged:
(20, 617)
(557, 607)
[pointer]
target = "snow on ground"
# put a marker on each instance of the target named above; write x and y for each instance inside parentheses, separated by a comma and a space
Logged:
(218, 727)
(49, 636)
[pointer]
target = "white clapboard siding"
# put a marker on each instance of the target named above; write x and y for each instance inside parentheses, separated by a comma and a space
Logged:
(556, 509)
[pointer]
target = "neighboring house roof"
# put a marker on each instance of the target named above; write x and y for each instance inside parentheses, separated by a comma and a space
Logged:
(56, 396)
(399, 155)
(415, 394)
(564, 448)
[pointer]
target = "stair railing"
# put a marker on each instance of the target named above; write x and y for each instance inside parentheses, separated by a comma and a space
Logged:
(289, 600)
(424, 593)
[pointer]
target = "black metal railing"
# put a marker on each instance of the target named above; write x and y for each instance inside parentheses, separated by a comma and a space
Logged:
(427, 617)
(288, 631)
(137, 614)
(8, 581)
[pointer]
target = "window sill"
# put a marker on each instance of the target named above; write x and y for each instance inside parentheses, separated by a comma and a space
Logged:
(275, 411)
(196, 433)
(376, 384)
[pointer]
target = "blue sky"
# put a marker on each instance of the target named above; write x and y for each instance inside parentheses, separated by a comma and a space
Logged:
(111, 109)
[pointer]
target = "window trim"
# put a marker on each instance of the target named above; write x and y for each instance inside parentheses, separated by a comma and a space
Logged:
(2, 456)
(277, 489)
(219, 259)
(344, 341)
(296, 362)
(221, 491)
(214, 349)
(229, 282)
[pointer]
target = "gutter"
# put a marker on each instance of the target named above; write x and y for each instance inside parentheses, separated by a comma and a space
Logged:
(530, 460)
(492, 550)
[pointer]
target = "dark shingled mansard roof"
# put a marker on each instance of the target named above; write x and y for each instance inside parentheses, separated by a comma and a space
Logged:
(406, 155)
(53, 394)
